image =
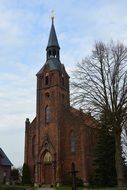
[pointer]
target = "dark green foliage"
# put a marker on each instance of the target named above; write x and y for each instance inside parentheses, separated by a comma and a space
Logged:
(15, 174)
(79, 182)
(26, 174)
(104, 163)
(67, 180)
(11, 187)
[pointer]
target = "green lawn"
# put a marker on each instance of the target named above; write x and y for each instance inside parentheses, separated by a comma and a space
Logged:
(10, 187)
(14, 187)
(69, 188)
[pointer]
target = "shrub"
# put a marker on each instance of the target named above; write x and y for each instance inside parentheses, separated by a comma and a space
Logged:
(26, 175)
(67, 180)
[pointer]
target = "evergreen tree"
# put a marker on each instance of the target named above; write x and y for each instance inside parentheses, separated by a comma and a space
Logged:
(15, 174)
(104, 163)
(26, 174)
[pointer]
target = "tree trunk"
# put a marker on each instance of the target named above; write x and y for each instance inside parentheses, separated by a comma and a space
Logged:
(118, 159)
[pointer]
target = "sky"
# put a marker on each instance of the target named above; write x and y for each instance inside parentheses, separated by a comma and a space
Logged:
(24, 32)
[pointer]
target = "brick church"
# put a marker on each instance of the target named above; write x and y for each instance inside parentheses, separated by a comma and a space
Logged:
(59, 135)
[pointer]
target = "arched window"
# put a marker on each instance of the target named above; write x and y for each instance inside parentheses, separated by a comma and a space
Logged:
(49, 53)
(33, 146)
(54, 53)
(73, 142)
(47, 114)
(46, 79)
(63, 82)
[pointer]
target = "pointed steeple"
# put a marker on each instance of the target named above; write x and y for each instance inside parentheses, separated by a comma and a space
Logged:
(52, 37)
(53, 45)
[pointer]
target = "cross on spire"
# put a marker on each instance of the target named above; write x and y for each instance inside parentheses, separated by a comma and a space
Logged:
(52, 15)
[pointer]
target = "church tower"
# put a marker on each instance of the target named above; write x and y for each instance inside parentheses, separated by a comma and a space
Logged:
(59, 135)
(52, 96)
(52, 83)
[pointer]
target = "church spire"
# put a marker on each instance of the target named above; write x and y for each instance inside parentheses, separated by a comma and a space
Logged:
(53, 45)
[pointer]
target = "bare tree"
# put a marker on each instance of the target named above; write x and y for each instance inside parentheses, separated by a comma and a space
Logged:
(100, 86)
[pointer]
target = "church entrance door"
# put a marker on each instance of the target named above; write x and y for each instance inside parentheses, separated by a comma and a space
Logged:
(48, 173)
(48, 169)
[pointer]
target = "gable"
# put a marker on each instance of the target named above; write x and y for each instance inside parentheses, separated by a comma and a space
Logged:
(4, 161)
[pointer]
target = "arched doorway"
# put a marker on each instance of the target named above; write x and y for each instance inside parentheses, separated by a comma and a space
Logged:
(48, 170)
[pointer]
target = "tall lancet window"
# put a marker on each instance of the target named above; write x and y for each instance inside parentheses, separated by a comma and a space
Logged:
(47, 114)
(47, 79)
(63, 82)
(73, 142)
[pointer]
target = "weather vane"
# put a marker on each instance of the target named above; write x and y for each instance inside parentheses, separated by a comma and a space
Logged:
(52, 15)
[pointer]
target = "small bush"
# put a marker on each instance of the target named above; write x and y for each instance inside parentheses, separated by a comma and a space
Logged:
(67, 180)
(79, 182)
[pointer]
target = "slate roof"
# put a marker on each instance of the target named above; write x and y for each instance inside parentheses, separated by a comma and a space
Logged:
(53, 38)
(4, 161)
(51, 64)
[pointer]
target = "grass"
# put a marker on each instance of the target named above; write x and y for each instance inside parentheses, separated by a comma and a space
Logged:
(108, 188)
(15, 187)
(11, 187)
(81, 188)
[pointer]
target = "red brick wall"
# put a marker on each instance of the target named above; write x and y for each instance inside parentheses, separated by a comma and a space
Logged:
(84, 144)
(56, 133)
